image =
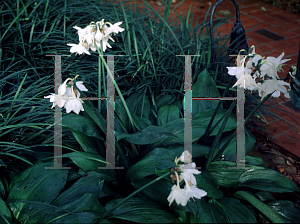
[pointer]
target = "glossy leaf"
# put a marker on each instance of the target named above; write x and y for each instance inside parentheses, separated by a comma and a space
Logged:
(87, 143)
(91, 162)
(158, 158)
(204, 183)
(222, 175)
(140, 210)
(164, 100)
(121, 119)
(85, 206)
(236, 211)
(93, 113)
(263, 208)
(267, 180)
(139, 105)
(166, 114)
(149, 135)
(37, 184)
(155, 193)
(5, 214)
(91, 182)
(140, 123)
(230, 151)
(205, 86)
(82, 124)
(286, 209)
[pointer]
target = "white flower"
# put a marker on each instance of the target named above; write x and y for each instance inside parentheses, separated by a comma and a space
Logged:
(269, 86)
(186, 157)
(237, 71)
(78, 48)
(275, 65)
(80, 86)
(114, 29)
(187, 173)
(74, 104)
(246, 81)
(56, 100)
(254, 60)
(192, 192)
(176, 193)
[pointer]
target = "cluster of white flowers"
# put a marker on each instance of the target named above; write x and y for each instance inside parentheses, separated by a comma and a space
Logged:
(257, 73)
(68, 97)
(186, 173)
(93, 35)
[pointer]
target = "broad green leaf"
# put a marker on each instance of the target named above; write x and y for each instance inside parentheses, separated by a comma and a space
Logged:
(236, 211)
(176, 127)
(94, 113)
(199, 125)
(158, 158)
(121, 119)
(256, 161)
(287, 210)
(230, 151)
(37, 185)
(217, 213)
(205, 86)
(5, 215)
(140, 210)
(91, 162)
(140, 123)
(149, 135)
(139, 105)
(267, 180)
(204, 183)
(197, 150)
(265, 196)
(256, 203)
(202, 119)
(221, 174)
(201, 212)
(158, 192)
(82, 124)
(166, 114)
(87, 143)
(84, 203)
(91, 182)
(82, 217)
(164, 100)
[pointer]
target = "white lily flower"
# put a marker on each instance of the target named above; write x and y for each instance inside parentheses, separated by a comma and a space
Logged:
(269, 86)
(114, 29)
(237, 71)
(186, 157)
(177, 193)
(78, 48)
(56, 100)
(80, 86)
(275, 65)
(187, 173)
(246, 81)
(74, 104)
(192, 192)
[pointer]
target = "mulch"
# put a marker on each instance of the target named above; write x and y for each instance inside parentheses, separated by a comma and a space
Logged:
(277, 158)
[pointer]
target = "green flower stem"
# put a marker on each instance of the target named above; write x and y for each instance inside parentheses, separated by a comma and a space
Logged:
(208, 131)
(234, 133)
(120, 94)
(216, 141)
(117, 87)
(99, 82)
(130, 196)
